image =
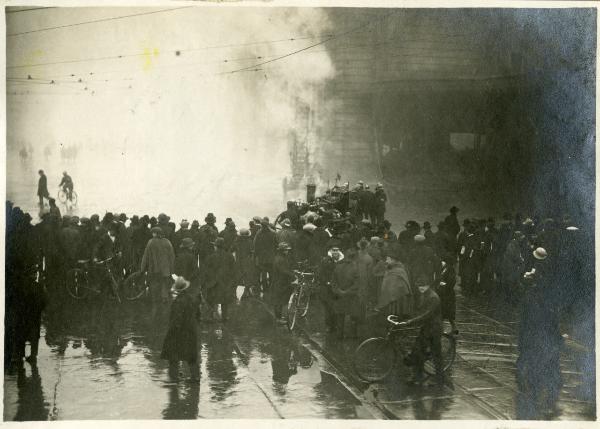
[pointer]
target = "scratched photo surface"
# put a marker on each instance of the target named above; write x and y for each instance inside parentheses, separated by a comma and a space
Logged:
(211, 212)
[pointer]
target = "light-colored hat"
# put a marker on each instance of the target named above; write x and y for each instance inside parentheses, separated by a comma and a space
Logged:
(180, 284)
(419, 238)
(540, 253)
(309, 227)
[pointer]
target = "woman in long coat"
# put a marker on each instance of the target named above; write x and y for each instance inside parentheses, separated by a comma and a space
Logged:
(181, 341)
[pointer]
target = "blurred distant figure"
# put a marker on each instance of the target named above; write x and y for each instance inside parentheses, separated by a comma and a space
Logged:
(42, 191)
(67, 185)
(47, 152)
(451, 222)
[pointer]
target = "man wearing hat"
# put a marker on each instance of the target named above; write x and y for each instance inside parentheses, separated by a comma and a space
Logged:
(379, 204)
(283, 276)
(395, 296)
(229, 234)
(180, 234)
(423, 264)
(287, 233)
(181, 340)
(168, 230)
(54, 211)
(365, 264)
(291, 214)
(42, 191)
(206, 240)
(406, 238)
(220, 281)
(265, 244)
(428, 316)
(325, 292)
(346, 286)
(513, 266)
(451, 222)
(185, 262)
(70, 243)
(159, 262)
(539, 343)
(243, 247)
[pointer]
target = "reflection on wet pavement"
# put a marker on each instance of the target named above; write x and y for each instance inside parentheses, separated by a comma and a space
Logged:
(102, 362)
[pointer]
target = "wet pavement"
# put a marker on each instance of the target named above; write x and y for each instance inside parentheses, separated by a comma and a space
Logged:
(102, 361)
(482, 381)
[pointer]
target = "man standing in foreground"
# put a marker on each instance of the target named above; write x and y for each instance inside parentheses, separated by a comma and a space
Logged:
(42, 191)
(159, 262)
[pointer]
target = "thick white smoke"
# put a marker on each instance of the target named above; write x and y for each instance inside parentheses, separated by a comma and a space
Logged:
(166, 131)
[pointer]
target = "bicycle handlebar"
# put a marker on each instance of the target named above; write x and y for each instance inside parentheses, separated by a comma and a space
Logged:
(303, 273)
(393, 319)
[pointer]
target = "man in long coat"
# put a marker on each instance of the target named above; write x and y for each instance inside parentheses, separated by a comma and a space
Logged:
(282, 280)
(42, 191)
(220, 279)
(243, 247)
(159, 262)
(451, 222)
(346, 285)
(265, 243)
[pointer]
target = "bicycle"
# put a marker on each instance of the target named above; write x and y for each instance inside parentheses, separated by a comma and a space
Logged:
(78, 282)
(135, 286)
(375, 358)
(63, 197)
(299, 301)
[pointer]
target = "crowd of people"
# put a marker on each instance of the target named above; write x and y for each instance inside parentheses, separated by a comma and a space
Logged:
(364, 269)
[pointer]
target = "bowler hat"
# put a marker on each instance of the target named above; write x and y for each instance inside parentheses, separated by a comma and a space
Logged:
(210, 217)
(156, 230)
(454, 209)
(540, 253)
(180, 284)
(283, 246)
(187, 242)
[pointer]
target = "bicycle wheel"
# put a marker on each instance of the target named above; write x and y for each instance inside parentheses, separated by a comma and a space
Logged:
(74, 198)
(62, 196)
(134, 286)
(374, 359)
(292, 311)
(114, 288)
(303, 303)
(77, 283)
(448, 355)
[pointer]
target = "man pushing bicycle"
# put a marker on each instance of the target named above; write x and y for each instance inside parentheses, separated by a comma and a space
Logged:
(428, 316)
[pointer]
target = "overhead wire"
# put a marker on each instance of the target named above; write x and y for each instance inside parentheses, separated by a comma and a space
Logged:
(251, 68)
(96, 21)
(142, 54)
(28, 10)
